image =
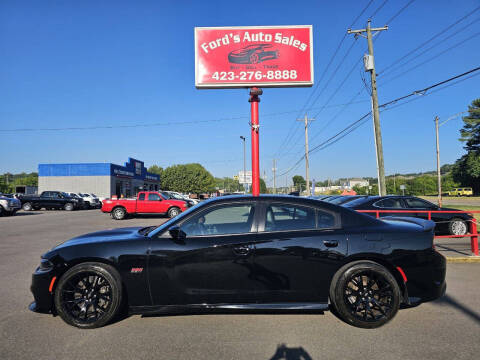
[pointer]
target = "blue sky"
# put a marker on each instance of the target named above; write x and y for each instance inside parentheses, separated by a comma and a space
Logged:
(90, 63)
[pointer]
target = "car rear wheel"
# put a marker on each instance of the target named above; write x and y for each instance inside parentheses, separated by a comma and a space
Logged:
(27, 206)
(457, 227)
(119, 213)
(68, 207)
(365, 294)
(254, 58)
(89, 295)
(172, 212)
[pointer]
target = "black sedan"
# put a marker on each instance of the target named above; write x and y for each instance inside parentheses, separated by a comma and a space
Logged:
(242, 253)
(446, 222)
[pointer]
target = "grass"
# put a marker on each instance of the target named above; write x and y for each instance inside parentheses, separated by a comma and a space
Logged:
(469, 207)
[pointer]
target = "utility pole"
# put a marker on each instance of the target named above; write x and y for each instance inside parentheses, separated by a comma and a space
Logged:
(274, 169)
(370, 66)
(307, 175)
(439, 177)
(244, 163)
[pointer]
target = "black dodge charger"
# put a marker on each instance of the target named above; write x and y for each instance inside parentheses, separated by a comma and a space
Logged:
(244, 253)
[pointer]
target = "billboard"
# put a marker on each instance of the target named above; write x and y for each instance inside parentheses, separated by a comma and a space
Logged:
(263, 56)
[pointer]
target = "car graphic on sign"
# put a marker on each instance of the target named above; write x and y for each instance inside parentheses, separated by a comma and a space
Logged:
(253, 54)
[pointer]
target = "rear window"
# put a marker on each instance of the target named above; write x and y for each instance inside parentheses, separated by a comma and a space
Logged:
(393, 203)
(356, 202)
(287, 217)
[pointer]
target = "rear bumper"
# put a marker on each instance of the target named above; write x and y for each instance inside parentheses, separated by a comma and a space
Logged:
(427, 281)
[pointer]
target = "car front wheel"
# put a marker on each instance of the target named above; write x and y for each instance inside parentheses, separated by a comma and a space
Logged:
(27, 206)
(457, 227)
(365, 294)
(68, 206)
(89, 295)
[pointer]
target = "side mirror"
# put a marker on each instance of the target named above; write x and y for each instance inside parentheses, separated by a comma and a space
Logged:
(176, 233)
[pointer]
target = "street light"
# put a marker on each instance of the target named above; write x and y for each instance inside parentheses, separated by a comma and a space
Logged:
(244, 163)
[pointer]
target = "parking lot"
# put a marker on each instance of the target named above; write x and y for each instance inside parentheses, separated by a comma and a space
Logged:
(444, 329)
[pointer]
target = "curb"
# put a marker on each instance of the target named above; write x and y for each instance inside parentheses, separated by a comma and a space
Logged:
(463, 259)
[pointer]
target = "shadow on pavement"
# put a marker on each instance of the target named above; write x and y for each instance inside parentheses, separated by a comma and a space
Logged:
(445, 249)
(294, 353)
(28, 213)
(448, 300)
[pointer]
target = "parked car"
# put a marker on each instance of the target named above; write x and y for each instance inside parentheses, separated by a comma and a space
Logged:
(9, 205)
(81, 202)
(245, 253)
(176, 196)
(446, 223)
(183, 196)
(91, 201)
(147, 202)
(51, 200)
(466, 191)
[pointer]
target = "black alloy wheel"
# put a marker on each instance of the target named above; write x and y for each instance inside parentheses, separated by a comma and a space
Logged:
(27, 206)
(88, 295)
(365, 294)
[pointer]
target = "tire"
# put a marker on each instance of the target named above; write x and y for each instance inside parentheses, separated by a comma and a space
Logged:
(457, 227)
(119, 213)
(27, 206)
(68, 207)
(89, 295)
(173, 211)
(371, 304)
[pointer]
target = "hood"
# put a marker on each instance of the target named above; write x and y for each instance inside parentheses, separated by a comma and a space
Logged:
(103, 236)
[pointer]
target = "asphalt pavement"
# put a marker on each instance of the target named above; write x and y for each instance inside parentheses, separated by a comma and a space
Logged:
(445, 329)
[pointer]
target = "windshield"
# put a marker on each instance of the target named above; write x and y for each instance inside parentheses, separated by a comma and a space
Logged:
(93, 195)
(176, 196)
(165, 225)
(65, 194)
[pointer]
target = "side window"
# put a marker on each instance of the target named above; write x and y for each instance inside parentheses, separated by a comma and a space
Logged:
(390, 203)
(281, 217)
(232, 219)
(141, 197)
(54, 195)
(153, 197)
(417, 203)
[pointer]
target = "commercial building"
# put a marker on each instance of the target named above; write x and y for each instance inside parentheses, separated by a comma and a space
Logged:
(102, 179)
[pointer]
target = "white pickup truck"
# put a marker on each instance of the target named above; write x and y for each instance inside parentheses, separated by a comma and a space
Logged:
(91, 200)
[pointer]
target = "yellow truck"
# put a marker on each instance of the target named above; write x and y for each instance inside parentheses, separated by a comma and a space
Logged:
(465, 191)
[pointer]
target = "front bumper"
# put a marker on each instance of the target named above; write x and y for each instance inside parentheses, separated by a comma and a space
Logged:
(40, 288)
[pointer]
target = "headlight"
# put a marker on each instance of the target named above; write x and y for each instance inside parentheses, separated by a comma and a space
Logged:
(45, 265)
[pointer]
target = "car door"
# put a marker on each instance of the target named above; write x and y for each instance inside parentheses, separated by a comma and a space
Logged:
(153, 203)
(212, 260)
(297, 252)
(414, 203)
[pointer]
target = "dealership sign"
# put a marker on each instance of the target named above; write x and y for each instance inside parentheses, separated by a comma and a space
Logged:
(262, 56)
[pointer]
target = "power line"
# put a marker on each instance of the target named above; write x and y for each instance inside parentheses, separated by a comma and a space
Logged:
(292, 132)
(170, 123)
(431, 58)
(356, 124)
(430, 39)
(442, 41)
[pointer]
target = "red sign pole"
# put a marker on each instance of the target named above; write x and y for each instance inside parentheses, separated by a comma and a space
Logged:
(254, 100)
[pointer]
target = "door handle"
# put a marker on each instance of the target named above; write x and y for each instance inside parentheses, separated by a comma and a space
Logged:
(241, 250)
(330, 243)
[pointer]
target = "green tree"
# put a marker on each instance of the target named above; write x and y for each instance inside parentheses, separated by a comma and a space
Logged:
(158, 170)
(188, 178)
(467, 169)
(263, 187)
(299, 182)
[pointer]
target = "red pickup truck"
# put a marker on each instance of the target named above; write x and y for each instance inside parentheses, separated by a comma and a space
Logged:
(147, 202)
